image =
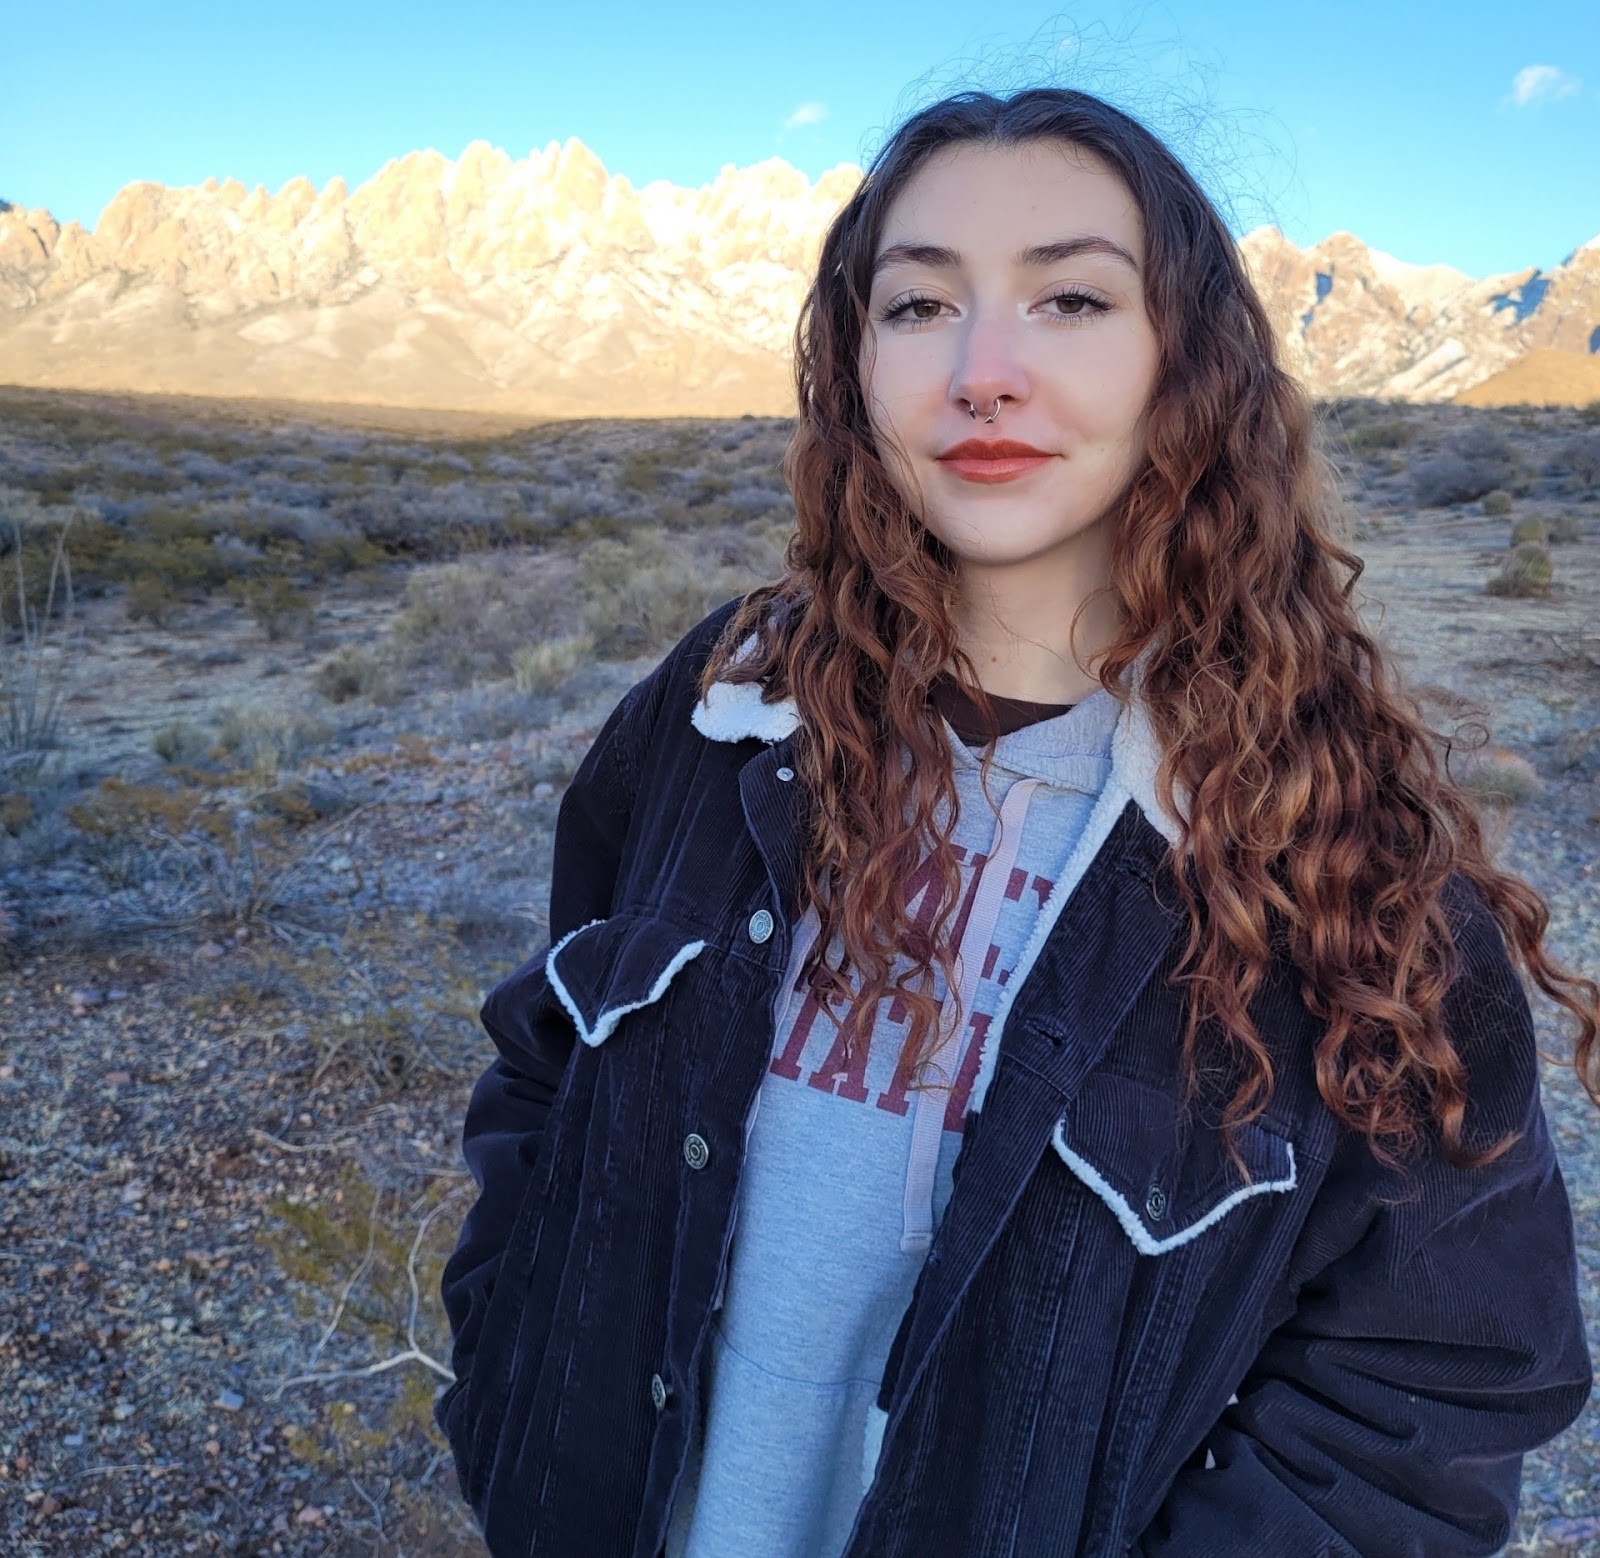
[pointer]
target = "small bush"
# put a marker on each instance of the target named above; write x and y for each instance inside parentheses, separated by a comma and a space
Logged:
(645, 594)
(151, 599)
(276, 605)
(470, 618)
(1455, 478)
(1526, 572)
(1497, 503)
(541, 668)
(1529, 529)
(1497, 771)
(1564, 528)
(354, 672)
(1378, 436)
(268, 741)
(1591, 413)
(1580, 457)
(16, 811)
(180, 742)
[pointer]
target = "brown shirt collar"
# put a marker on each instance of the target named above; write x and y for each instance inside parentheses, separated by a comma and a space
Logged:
(966, 718)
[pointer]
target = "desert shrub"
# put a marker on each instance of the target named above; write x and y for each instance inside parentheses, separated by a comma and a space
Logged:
(329, 556)
(1526, 572)
(1374, 437)
(16, 811)
(1564, 528)
(1478, 460)
(269, 740)
(1530, 529)
(1497, 771)
(469, 618)
(1497, 503)
(1455, 478)
(543, 667)
(1580, 457)
(37, 639)
(704, 486)
(1590, 413)
(150, 599)
(354, 672)
(644, 471)
(276, 605)
(178, 741)
(644, 594)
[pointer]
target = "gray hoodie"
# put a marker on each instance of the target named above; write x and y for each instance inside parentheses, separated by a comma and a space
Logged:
(847, 1172)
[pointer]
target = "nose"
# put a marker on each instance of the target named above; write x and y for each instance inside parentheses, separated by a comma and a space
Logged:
(988, 370)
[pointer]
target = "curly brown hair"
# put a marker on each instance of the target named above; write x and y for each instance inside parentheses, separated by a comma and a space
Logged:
(1322, 823)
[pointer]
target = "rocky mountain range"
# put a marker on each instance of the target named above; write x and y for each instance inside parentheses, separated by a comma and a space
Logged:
(550, 287)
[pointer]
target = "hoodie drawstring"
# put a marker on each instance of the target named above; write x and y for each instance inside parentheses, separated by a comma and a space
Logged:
(927, 1124)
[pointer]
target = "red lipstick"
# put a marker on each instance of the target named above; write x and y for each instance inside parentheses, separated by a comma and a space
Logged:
(992, 459)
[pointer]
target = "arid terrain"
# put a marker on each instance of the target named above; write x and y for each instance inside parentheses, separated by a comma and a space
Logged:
(276, 800)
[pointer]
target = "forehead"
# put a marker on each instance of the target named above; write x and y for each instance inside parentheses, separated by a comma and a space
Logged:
(976, 198)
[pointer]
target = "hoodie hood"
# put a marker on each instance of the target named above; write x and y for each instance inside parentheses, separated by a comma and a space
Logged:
(737, 711)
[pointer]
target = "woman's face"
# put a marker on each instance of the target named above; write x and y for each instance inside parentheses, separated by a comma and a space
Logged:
(1012, 273)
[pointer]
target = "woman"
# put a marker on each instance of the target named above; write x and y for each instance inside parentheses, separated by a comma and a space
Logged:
(1153, 1162)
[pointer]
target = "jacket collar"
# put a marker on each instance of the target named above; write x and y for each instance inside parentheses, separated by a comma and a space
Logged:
(737, 711)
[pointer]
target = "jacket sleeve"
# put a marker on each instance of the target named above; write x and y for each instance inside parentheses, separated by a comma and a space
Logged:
(534, 1038)
(1388, 1416)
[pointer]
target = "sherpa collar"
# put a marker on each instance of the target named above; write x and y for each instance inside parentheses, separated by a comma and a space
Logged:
(734, 711)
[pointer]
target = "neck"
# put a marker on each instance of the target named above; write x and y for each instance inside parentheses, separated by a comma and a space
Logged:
(1015, 621)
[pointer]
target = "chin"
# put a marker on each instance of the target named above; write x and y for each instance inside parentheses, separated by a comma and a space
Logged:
(997, 543)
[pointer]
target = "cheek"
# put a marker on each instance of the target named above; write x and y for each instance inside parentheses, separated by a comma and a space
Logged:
(1111, 390)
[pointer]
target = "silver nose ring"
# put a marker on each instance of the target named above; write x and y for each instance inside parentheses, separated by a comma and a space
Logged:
(972, 410)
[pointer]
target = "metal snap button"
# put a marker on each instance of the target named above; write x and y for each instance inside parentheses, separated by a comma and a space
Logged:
(1155, 1204)
(760, 926)
(695, 1151)
(786, 774)
(658, 1391)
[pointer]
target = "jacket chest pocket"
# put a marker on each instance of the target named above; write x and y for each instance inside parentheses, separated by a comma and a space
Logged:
(605, 971)
(1165, 1187)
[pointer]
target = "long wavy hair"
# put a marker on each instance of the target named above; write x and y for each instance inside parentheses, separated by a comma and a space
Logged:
(1322, 823)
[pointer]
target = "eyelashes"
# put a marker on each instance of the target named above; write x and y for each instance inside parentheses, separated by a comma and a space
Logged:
(899, 312)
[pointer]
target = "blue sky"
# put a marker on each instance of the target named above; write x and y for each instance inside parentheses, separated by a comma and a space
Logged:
(1440, 132)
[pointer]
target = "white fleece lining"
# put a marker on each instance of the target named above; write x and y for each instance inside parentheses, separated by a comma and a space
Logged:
(607, 1021)
(733, 711)
(877, 1421)
(1130, 1220)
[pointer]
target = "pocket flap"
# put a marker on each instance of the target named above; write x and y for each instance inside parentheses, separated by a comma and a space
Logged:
(1121, 1137)
(608, 968)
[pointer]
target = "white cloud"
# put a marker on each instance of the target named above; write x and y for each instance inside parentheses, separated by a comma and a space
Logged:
(806, 113)
(1541, 84)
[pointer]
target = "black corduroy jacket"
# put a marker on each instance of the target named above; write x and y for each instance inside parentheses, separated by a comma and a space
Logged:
(1117, 1346)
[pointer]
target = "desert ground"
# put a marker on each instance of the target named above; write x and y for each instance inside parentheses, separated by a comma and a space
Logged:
(276, 800)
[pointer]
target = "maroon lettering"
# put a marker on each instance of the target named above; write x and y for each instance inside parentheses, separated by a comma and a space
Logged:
(955, 1110)
(854, 1071)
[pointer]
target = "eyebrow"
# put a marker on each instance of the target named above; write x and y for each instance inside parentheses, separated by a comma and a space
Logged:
(940, 258)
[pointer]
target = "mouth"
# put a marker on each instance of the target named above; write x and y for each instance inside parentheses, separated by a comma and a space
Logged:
(992, 460)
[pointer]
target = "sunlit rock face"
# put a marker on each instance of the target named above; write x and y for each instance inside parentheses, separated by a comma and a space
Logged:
(551, 287)
(1356, 321)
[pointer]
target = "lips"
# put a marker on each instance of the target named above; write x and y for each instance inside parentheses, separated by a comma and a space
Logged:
(992, 459)
(993, 449)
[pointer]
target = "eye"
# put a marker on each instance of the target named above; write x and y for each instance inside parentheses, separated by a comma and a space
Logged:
(906, 308)
(1075, 306)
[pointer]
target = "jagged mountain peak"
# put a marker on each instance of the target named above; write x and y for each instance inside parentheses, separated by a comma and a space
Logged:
(548, 284)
